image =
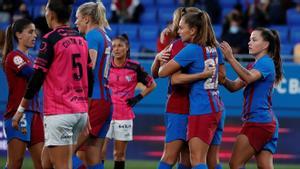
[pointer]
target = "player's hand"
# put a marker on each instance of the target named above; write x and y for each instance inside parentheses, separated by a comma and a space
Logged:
(134, 100)
(209, 70)
(19, 118)
(226, 50)
(163, 34)
(163, 56)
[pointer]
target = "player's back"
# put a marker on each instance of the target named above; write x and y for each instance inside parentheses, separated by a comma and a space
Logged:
(178, 95)
(99, 41)
(66, 84)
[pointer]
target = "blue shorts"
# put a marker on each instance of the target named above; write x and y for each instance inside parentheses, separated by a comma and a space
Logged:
(272, 144)
(219, 131)
(176, 127)
(12, 133)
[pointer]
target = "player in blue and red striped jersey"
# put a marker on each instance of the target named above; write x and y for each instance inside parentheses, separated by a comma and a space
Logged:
(178, 101)
(177, 106)
(62, 67)
(18, 67)
(199, 57)
(91, 21)
(259, 133)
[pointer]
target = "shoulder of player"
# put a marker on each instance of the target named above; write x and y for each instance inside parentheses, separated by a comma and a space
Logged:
(132, 64)
(16, 58)
(192, 47)
(57, 34)
(266, 60)
(178, 42)
(46, 36)
(11, 55)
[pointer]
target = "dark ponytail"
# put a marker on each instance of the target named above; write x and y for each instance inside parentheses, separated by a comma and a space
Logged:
(10, 36)
(62, 9)
(272, 37)
(276, 57)
(8, 44)
(124, 38)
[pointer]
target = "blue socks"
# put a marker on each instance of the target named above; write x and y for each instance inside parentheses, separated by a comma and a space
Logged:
(200, 166)
(218, 166)
(181, 166)
(97, 166)
(76, 162)
(163, 165)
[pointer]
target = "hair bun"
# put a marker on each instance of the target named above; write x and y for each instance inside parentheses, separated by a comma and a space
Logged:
(68, 2)
(125, 36)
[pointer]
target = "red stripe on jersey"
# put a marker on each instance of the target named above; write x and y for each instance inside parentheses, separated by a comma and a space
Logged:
(103, 58)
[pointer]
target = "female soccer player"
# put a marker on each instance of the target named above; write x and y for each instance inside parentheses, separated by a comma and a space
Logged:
(259, 132)
(124, 76)
(179, 92)
(91, 21)
(205, 106)
(18, 67)
(62, 67)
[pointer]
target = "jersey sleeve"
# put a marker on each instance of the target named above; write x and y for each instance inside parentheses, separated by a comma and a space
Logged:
(45, 56)
(17, 63)
(220, 56)
(186, 55)
(143, 76)
(94, 41)
(264, 66)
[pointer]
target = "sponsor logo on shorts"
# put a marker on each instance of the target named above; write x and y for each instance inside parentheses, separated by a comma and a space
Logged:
(65, 133)
(127, 135)
(125, 126)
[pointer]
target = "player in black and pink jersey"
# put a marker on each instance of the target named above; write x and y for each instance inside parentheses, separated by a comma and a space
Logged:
(18, 67)
(124, 76)
(62, 67)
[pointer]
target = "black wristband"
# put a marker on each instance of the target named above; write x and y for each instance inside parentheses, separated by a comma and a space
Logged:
(139, 97)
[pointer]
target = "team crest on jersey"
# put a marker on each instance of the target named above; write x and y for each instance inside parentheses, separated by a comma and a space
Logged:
(128, 78)
(18, 60)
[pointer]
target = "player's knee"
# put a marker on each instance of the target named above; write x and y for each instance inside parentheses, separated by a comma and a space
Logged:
(232, 164)
(119, 155)
(15, 162)
(46, 164)
(235, 164)
(170, 157)
(264, 165)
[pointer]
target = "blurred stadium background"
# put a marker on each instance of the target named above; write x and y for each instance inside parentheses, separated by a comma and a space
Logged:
(146, 149)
